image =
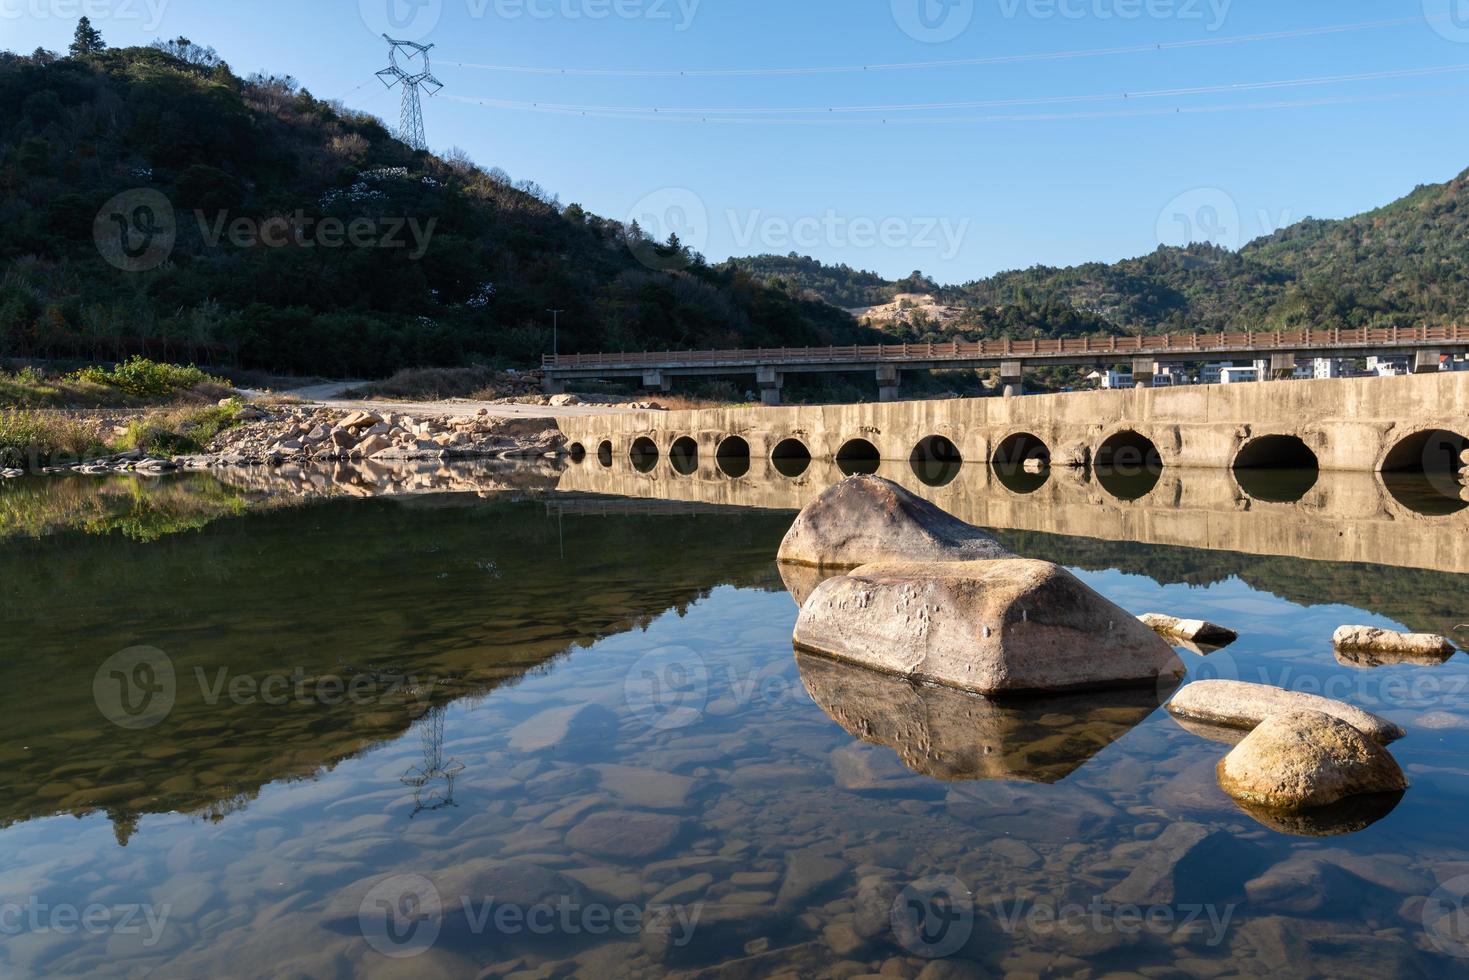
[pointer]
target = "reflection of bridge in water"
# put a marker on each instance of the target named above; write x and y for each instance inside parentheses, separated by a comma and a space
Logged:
(1374, 518)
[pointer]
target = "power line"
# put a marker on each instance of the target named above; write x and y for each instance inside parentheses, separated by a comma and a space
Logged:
(953, 62)
(656, 111)
(836, 120)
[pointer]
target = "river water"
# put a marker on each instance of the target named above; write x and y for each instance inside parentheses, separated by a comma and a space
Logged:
(547, 724)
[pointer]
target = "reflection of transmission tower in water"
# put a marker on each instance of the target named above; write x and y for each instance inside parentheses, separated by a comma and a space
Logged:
(421, 778)
(410, 124)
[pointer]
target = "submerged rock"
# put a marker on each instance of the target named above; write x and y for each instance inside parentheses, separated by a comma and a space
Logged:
(1193, 630)
(1366, 646)
(1007, 626)
(1183, 863)
(866, 519)
(953, 735)
(1295, 760)
(1239, 704)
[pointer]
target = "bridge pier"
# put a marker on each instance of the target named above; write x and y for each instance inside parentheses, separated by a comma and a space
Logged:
(552, 385)
(1426, 361)
(658, 380)
(889, 378)
(1282, 366)
(1144, 371)
(1012, 377)
(770, 381)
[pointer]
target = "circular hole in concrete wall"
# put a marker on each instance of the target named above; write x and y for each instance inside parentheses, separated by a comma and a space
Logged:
(683, 455)
(1425, 472)
(1276, 469)
(733, 457)
(1128, 465)
(936, 461)
(858, 456)
(790, 457)
(604, 453)
(1022, 462)
(644, 454)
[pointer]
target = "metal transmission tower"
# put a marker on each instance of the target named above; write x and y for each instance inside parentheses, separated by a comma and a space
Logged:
(410, 126)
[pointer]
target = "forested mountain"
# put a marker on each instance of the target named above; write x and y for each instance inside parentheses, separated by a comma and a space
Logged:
(1403, 264)
(839, 285)
(233, 241)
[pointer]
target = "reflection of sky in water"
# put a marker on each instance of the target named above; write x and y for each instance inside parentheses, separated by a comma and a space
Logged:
(758, 773)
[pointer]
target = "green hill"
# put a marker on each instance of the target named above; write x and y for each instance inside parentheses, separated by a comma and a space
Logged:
(452, 264)
(1403, 264)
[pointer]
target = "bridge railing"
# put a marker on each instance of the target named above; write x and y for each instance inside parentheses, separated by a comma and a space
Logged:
(1302, 341)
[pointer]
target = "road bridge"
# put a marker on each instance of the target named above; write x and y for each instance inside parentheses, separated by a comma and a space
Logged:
(1147, 357)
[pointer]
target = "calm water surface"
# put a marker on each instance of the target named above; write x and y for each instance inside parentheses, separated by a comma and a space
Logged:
(539, 734)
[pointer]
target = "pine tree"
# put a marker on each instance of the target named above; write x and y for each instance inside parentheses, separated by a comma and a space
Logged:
(87, 40)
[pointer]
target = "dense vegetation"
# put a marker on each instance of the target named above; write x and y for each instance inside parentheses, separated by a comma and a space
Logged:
(458, 264)
(1403, 264)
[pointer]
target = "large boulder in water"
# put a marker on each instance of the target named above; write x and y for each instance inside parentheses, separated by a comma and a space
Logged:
(1240, 704)
(1367, 646)
(1005, 626)
(1297, 760)
(866, 519)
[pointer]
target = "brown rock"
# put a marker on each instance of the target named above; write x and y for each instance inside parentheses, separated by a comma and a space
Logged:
(1238, 704)
(1364, 646)
(1302, 759)
(866, 519)
(1007, 626)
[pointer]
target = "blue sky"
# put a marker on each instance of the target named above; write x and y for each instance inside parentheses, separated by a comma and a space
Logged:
(953, 192)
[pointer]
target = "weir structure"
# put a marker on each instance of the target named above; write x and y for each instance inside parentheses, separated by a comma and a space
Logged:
(1416, 423)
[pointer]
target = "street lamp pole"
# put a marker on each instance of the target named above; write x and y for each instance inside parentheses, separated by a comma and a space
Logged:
(555, 330)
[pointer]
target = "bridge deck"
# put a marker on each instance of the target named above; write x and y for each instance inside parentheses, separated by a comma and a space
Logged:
(1175, 347)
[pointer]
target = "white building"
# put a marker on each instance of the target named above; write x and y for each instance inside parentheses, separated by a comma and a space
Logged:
(1236, 375)
(1322, 368)
(1388, 367)
(1211, 375)
(1117, 379)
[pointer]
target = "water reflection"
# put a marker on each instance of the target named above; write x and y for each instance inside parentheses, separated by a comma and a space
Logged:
(950, 735)
(1347, 517)
(1278, 485)
(1128, 483)
(1430, 494)
(1349, 816)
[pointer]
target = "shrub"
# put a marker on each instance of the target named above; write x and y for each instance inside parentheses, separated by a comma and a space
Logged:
(181, 432)
(149, 379)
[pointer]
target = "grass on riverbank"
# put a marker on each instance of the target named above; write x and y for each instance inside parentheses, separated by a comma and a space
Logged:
(31, 439)
(135, 383)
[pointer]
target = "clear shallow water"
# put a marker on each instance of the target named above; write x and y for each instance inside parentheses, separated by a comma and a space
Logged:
(569, 735)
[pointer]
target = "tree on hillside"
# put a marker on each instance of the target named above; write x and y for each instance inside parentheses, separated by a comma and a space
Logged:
(87, 40)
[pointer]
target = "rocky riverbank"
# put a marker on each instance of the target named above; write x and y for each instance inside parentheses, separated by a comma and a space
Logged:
(281, 435)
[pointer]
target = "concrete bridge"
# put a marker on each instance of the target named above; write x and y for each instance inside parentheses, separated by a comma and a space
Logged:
(1412, 423)
(1146, 355)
